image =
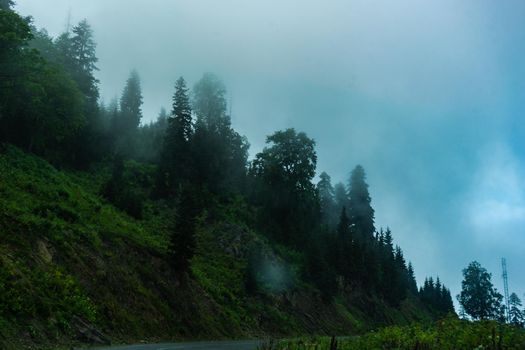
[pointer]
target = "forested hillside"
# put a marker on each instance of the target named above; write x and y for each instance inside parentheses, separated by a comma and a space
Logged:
(112, 229)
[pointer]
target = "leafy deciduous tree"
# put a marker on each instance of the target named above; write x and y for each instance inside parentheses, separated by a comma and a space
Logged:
(284, 171)
(478, 296)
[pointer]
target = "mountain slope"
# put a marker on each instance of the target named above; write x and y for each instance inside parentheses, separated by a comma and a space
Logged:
(73, 268)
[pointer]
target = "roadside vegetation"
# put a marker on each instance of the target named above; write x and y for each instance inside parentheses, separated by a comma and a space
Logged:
(447, 334)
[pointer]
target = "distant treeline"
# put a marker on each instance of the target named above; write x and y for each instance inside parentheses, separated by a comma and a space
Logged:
(50, 105)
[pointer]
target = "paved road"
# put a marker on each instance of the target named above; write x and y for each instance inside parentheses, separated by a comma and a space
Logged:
(205, 345)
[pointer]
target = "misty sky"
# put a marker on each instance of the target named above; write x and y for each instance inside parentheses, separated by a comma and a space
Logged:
(426, 95)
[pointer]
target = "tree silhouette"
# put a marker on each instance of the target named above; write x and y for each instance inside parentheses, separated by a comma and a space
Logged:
(478, 296)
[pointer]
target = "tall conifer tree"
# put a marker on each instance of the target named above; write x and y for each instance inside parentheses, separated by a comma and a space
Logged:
(176, 166)
(360, 209)
(126, 125)
(326, 199)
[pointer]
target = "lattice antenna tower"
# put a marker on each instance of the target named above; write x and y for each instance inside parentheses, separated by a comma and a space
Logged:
(505, 286)
(68, 21)
(231, 104)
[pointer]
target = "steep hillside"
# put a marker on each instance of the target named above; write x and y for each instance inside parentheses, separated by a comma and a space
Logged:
(74, 268)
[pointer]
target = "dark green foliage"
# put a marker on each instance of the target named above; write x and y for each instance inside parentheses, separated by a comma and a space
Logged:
(318, 271)
(6, 4)
(181, 111)
(14, 36)
(412, 285)
(43, 111)
(345, 250)
(436, 296)
(182, 240)
(283, 172)
(131, 104)
(150, 139)
(55, 294)
(327, 201)
(253, 268)
(400, 288)
(44, 44)
(393, 284)
(478, 296)
(340, 197)
(318, 237)
(388, 241)
(343, 227)
(78, 56)
(446, 334)
(129, 186)
(220, 153)
(79, 52)
(126, 122)
(360, 211)
(516, 316)
(176, 165)
(209, 104)
(318, 240)
(40, 106)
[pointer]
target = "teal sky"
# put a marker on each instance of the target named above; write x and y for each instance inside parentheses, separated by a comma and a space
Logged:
(427, 95)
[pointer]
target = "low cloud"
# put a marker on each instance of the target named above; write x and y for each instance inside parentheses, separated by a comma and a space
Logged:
(495, 206)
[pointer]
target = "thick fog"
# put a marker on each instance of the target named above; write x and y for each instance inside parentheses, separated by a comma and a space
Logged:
(427, 96)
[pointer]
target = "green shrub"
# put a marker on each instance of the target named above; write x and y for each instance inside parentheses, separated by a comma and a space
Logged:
(447, 334)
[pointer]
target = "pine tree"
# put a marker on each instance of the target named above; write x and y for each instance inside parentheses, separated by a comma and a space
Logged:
(126, 125)
(370, 273)
(181, 112)
(388, 241)
(448, 304)
(318, 271)
(209, 104)
(82, 59)
(343, 228)
(389, 274)
(438, 295)
(516, 316)
(176, 165)
(326, 198)
(220, 153)
(78, 51)
(412, 284)
(427, 292)
(131, 104)
(344, 250)
(400, 283)
(340, 197)
(360, 210)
